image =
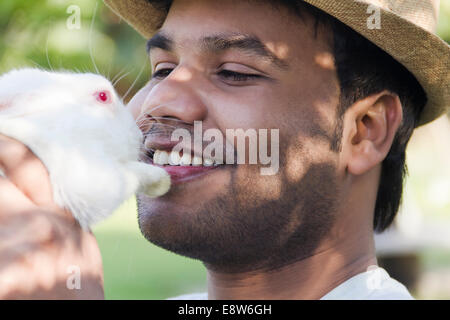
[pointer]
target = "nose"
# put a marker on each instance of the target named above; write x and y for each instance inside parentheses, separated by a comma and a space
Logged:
(176, 96)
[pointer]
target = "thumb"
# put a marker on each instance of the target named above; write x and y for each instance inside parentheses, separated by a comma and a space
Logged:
(27, 173)
(12, 200)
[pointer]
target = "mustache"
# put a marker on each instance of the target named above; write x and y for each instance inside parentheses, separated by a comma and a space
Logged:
(158, 133)
(161, 126)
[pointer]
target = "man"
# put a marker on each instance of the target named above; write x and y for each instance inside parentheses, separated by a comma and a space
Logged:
(345, 110)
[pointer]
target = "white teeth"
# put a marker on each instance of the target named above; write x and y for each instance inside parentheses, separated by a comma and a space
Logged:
(156, 157)
(172, 158)
(185, 159)
(160, 157)
(208, 162)
(197, 161)
(163, 158)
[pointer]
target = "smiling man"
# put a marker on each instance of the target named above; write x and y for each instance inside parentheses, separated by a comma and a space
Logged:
(345, 98)
(345, 110)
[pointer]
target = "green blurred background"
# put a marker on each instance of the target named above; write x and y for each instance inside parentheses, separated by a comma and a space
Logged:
(35, 33)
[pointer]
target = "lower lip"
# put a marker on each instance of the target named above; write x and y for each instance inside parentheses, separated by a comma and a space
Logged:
(179, 174)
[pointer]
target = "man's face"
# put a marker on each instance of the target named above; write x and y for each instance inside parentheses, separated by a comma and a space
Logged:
(232, 217)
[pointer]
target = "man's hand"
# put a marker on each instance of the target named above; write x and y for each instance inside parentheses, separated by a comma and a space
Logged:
(44, 254)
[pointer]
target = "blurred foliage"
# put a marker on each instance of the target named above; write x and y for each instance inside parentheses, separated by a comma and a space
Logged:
(444, 20)
(35, 33)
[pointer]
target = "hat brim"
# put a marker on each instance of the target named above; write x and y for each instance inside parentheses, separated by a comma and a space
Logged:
(424, 54)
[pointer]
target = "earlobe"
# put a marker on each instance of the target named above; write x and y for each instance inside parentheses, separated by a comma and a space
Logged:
(374, 121)
(366, 155)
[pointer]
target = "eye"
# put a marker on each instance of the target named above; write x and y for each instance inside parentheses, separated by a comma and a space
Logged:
(237, 76)
(103, 96)
(161, 74)
(161, 70)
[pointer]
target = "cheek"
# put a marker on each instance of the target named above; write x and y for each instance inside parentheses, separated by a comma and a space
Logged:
(261, 108)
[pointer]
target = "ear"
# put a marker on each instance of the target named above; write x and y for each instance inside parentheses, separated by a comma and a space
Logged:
(370, 126)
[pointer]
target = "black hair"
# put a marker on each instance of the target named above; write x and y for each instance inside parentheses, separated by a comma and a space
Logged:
(363, 69)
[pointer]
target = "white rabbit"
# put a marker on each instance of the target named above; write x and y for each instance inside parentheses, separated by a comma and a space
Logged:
(89, 142)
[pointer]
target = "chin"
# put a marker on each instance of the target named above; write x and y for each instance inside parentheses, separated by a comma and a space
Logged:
(226, 221)
(169, 221)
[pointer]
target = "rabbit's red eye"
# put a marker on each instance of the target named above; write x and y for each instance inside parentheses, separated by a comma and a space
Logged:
(103, 96)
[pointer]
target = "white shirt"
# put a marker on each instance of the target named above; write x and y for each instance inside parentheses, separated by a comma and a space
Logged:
(373, 284)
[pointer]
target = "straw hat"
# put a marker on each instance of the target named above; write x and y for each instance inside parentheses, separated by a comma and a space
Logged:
(407, 32)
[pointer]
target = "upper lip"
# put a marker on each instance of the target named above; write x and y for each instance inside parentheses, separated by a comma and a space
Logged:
(158, 143)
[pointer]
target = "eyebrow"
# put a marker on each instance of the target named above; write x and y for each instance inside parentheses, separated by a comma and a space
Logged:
(223, 42)
(160, 41)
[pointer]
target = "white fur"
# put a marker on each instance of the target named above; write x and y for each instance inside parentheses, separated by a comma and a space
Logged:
(90, 149)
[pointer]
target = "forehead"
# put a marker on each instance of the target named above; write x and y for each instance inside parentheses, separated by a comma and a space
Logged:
(281, 30)
(228, 14)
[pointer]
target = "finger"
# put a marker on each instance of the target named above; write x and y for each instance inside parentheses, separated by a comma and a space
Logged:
(12, 200)
(26, 171)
